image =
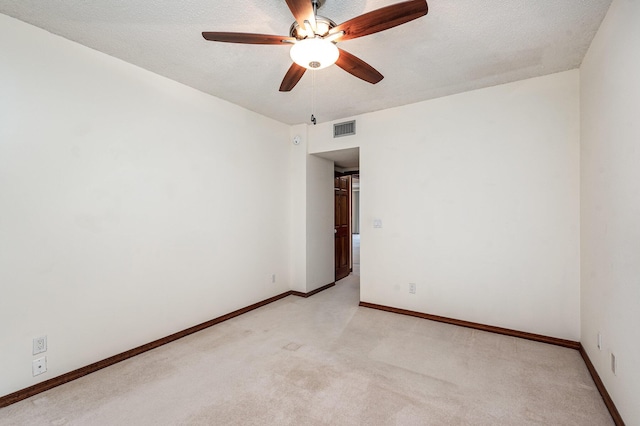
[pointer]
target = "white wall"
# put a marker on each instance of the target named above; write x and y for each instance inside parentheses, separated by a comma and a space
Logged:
(298, 222)
(320, 223)
(610, 203)
(478, 194)
(131, 206)
(312, 240)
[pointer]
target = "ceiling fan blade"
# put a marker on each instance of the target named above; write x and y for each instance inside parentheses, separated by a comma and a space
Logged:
(247, 38)
(302, 10)
(357, 67)
(382, 19)
(292, 77)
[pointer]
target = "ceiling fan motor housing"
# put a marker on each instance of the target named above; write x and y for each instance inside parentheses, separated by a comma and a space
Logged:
(323, 26)
(317, 4)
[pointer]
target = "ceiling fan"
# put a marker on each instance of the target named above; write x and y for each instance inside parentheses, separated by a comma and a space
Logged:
(314, 37)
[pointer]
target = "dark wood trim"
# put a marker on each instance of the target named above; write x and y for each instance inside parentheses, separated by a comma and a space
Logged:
(22, 394)
(25, 393)
(506, 331)
(615, 415)
(311, 293)
(83, 371)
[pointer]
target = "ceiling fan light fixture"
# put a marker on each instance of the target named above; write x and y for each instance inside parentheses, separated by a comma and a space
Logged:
(314, 37)
(323, 26)
(314, 53)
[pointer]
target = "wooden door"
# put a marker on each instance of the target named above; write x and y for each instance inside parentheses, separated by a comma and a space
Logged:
(342, 190)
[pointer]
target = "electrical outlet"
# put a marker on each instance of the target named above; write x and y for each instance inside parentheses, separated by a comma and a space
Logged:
(599, 341)
(273, 278)
(614, 364)
(39, 345)
(412, 288)
(39, 366)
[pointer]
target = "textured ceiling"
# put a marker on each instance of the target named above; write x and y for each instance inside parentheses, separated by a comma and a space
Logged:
(460, 45)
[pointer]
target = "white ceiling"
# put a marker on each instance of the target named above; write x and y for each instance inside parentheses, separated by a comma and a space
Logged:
(460, 45)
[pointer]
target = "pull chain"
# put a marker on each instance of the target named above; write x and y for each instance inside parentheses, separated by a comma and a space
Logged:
(313, 75)
(313, 97)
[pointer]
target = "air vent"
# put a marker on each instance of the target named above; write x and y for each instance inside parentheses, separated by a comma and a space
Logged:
(347, 128)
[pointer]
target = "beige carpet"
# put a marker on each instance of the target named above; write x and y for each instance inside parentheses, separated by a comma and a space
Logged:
(323, 360)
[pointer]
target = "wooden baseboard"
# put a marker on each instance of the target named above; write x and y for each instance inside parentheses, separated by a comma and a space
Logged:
(615, 415)
(83, 371)
(311, 293)
(14, 397)
(506, 331)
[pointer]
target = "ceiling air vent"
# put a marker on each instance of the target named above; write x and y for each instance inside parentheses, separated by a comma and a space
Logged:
(347, 128)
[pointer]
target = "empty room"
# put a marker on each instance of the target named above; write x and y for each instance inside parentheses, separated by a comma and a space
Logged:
(316, 212)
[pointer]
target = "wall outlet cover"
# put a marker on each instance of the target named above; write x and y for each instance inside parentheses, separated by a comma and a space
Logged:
(39, 345)
(39, 366)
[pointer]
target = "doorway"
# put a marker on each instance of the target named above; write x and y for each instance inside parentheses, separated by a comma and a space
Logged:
(347, 223)
(342, 225)
(346, 211)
